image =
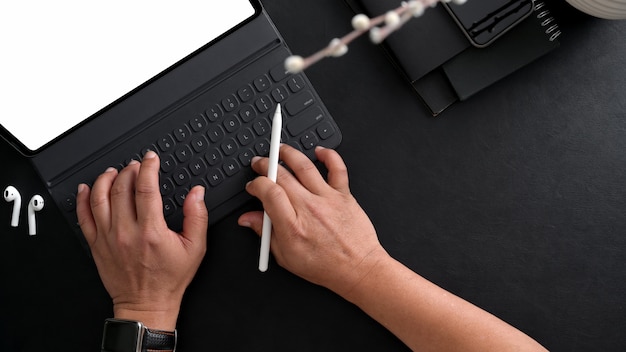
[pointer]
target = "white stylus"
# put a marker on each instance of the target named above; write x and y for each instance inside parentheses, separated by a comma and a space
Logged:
(277, 126)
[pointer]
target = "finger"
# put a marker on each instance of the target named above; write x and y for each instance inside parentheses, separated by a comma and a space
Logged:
(252, 220)
(196, 217)
(274, 198)
(295, 190)
(303, 168)
(123, 209)
(100, 199)
(149, 205)
(85, 217)
(337, 170)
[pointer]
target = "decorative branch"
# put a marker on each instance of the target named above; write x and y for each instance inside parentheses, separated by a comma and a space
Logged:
(379, 29)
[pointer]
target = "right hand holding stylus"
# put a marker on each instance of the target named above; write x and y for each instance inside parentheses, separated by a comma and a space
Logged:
(319, 230)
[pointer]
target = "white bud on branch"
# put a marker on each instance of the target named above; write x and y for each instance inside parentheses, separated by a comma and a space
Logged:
(379, 28)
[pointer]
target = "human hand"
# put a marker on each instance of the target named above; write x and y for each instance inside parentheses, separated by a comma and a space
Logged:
(144, 266)
(319, 231)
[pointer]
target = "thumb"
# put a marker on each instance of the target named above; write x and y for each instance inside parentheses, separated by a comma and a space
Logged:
(196, 216)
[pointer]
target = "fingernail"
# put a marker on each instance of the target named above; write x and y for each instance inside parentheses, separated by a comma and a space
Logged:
(133, 162)
(110, 169)
(244, 223)
(81, 188)
(319, 147)
(149, 155)
(201, 194)
(255, 159)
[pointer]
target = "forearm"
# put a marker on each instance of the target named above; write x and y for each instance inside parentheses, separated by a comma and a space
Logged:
(426, 317)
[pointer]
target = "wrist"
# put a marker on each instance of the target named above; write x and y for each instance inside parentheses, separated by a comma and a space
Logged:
(164, 319)
(364, 271)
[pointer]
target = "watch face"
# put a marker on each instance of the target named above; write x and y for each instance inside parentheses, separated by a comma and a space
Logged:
(121, 336)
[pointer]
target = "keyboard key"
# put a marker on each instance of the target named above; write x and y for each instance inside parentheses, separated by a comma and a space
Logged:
(181, 176)
(213, 156)
(197, 167)
(229, 146)
(262, 83)
(230, 103)
(279, 94)
(214, 113)
(168, 207)
(181, 133)
(167, 187)
(179, 196)
(296, 83)
(305, 121)
(245, 93)
(278, 73)
(215, 133)
(299, 103)
(69, 202)
(135, 157)
(325, 130)
(232, 124)
(167, 163)
(144, 150)
(166, 143)
(199, 144)
(262, 147)
(264, 103)
(215, 177)
(309, 140)
(261, 127)
(197, 123)
(183, 153)
(245, 137)
(294, 143)
(231, 167)
(246, 157)
(247, 113)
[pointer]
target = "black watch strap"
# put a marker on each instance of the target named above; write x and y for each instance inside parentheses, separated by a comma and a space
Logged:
(159, 340)
(122, 335)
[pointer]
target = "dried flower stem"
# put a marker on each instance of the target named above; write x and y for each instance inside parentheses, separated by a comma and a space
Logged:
(392, 20)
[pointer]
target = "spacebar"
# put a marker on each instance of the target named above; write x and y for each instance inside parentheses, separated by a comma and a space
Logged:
(229, 188)
(220, 201)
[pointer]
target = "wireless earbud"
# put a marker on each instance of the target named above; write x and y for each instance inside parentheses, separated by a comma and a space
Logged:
(12, 195)
(35, 204)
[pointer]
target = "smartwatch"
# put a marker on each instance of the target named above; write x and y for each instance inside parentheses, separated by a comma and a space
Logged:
(132, 336)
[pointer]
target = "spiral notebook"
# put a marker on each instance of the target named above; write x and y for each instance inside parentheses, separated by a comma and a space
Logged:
(441, 64)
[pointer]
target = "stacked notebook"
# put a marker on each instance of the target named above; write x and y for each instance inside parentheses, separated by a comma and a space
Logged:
(443, 66)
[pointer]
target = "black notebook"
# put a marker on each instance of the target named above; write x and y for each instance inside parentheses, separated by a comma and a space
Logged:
(442, 65)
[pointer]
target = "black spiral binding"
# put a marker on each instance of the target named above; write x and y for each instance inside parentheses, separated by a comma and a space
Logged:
(547, 21)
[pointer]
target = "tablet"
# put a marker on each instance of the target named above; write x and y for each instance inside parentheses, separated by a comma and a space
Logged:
(63, 61)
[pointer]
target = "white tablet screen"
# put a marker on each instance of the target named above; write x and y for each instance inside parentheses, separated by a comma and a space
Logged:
(62, 61)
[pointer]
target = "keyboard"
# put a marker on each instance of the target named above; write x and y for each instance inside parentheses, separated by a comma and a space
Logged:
(214, 149)
(210, 138)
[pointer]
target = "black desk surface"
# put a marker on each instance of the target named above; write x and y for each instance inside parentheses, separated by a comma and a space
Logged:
(514, 200)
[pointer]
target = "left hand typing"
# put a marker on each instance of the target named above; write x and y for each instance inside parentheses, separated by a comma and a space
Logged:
(145, 267)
